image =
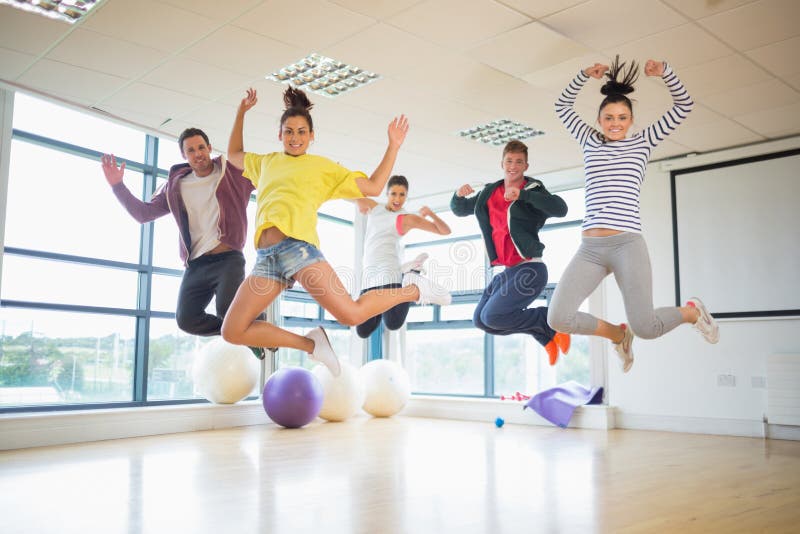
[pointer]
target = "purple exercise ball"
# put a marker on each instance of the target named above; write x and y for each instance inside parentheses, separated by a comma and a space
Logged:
(292, 397)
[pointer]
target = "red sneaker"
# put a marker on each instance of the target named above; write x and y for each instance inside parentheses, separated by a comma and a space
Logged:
(552, 351)
(563, 341)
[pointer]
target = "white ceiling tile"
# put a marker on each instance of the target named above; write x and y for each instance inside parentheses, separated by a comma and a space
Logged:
(721, 75)
(794, 81)
(773, 122)
(714, 135)
(321, 23)
(605, 23)
(27, 32)
(214, 8)
(457, 24)
(213, 115)
(541, 8)
(696, 10)
(777, 20)
(146, 98)
(147, 120)
(195, 78)
(13, 63)
(92, 50)
(377, 9)
(668, 149)
(256, 55)
(543, 48)
(682, 46)
(751, 98)
(72, 83)
(150, 23)
(778, 58)
(558, 75)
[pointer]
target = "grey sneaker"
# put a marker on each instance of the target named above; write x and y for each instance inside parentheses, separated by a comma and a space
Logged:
(625, 349)
(705, 324)
(415, 264)
(323, 352)
(429, 292)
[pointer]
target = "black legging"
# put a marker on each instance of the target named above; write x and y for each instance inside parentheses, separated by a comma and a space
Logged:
(393, 318)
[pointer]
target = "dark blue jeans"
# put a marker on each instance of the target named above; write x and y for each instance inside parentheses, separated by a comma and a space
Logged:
(211, 276)
(503, 308)
(393, 318)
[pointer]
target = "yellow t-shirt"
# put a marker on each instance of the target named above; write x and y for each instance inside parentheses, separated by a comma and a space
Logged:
(290, 189)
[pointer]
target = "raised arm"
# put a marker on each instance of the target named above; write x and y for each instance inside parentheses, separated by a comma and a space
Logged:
(537, 196)
(141, 211)
(365, 205)
(462, 204)
(565, 110)
(426, 220)
(372, 186)
(682, 103)
(236, 142)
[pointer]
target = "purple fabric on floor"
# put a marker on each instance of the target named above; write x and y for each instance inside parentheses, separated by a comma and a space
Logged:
(557, 404)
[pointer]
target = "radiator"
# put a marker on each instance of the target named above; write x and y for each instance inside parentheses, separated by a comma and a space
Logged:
(783, 389)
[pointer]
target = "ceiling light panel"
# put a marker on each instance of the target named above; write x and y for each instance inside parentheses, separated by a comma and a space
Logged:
(323, 76)
(66, 10)
(500, 132)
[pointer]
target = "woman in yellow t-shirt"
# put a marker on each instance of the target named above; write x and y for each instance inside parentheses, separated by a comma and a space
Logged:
(290, 187)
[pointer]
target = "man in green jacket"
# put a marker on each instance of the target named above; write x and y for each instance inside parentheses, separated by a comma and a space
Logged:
(510, 213)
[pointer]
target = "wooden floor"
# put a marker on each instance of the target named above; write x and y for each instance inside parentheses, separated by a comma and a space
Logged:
(406, 475)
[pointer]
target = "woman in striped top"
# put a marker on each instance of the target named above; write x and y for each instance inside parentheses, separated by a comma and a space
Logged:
(611, 242)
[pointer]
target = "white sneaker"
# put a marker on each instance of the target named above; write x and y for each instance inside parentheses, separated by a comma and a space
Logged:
(323, 352)
(625, 349)
(415, 264)
(429, 292)
(705, 324)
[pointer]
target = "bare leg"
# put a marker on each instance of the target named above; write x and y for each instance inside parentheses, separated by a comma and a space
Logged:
(322, 283)
(241, 327)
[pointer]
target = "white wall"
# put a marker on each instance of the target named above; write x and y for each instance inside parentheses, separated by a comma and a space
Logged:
(675, 376)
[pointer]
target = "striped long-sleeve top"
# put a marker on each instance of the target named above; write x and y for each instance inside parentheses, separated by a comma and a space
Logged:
(615, 169)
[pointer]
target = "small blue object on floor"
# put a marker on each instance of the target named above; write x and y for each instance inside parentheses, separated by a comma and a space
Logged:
(557, 404)
(499, 422)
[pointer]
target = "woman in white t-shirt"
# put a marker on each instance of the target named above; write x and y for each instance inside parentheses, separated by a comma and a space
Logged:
(382, 268)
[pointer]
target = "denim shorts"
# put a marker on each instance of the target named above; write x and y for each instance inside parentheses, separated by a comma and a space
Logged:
(283, 260)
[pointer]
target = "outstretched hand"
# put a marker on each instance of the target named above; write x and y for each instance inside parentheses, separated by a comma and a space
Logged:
(596, 71)
(249, 100)
(654, 68)
(398, 129)
(464, 191)
(113, 173)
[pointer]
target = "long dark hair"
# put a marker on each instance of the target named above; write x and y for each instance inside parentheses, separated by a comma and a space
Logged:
(297, 105)
(615, 89)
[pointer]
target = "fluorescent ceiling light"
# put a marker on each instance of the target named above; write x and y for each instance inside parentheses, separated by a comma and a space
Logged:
(67, 10)
(500, 132)
(323, 76)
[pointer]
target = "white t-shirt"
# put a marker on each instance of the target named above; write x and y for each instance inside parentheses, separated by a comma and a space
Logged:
(200, 198)
(382, 250)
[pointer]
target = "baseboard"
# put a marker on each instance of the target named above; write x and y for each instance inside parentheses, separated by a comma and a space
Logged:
(691, 425)
(783, 432)
(471, 409)
(60, 428)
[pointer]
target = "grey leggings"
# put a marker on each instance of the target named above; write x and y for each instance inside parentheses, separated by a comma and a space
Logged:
(626, 256)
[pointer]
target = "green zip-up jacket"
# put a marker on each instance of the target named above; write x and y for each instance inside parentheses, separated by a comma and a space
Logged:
(526, 215)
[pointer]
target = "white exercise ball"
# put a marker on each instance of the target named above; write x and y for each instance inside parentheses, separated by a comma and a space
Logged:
(225, 373)
(386, 387)
(344, 394)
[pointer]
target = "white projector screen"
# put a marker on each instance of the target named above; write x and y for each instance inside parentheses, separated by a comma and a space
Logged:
(737, 235)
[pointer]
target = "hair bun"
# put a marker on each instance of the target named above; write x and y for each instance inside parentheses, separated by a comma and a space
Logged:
(624, 86)
(296, 98)
(614, 87)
